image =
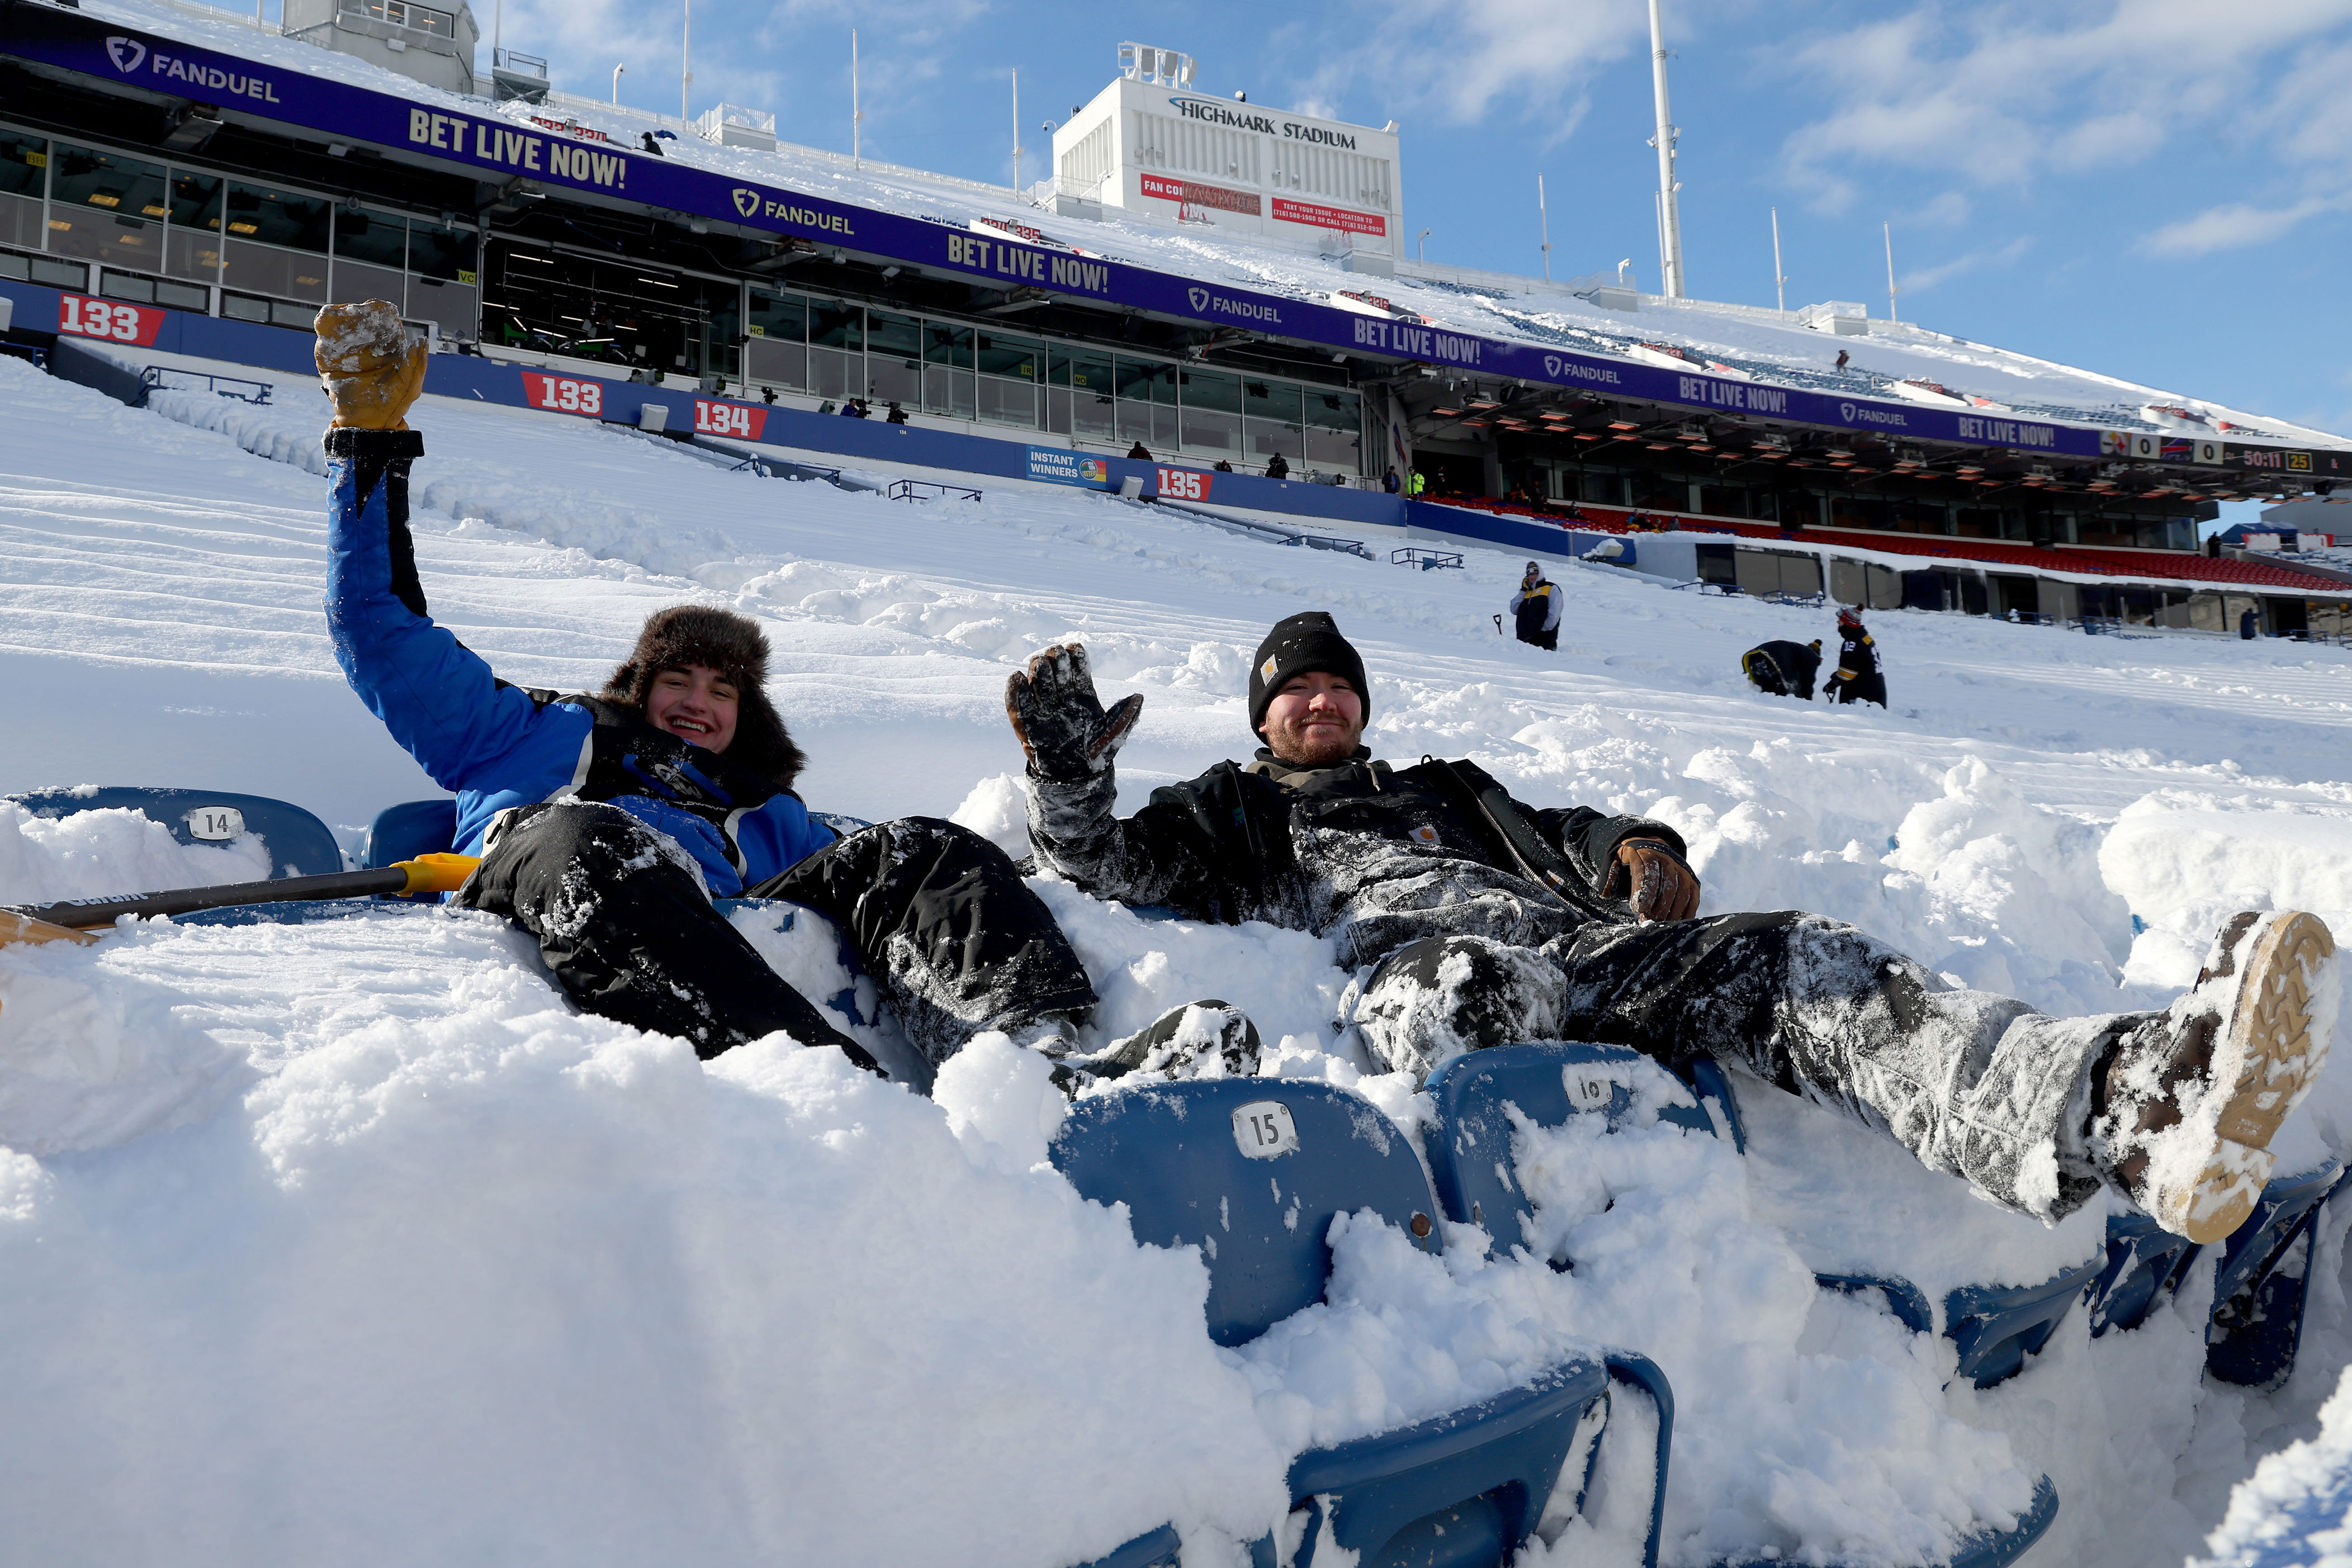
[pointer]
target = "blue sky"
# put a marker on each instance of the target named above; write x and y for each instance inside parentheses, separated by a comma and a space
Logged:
(2156, 189)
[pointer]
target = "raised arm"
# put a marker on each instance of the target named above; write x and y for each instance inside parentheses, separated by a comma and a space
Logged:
(1158, 856)
(438, 699)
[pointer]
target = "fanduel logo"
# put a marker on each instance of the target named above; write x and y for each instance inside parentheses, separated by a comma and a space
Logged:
(747, 202)
(1199, 297)
(1552, 364)
(126, 54)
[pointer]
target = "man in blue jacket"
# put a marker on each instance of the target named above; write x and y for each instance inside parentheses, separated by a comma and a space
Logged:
(607, 822)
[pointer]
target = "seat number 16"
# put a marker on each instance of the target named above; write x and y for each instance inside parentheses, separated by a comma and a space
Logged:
(1264, 1129)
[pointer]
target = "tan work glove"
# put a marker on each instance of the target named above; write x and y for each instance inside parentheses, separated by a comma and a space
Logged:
(371, 369)
(1655, 882)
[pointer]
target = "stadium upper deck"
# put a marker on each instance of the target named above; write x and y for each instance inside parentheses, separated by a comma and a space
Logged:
(175, 156)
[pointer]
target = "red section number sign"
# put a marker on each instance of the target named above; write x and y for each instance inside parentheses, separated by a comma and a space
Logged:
(1184, 484)
(735, 419)
(563, 394)
(83, 317)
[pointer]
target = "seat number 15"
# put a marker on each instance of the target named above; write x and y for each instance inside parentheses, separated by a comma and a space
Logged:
(1264, 1129)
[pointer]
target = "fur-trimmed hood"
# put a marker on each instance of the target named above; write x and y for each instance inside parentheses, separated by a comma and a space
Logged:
(731, 645)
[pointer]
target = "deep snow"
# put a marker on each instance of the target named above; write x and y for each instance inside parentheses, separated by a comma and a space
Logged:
(350, 1241)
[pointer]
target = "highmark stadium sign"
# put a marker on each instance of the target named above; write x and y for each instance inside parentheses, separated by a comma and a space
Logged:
(1214, 112)
(505, 149)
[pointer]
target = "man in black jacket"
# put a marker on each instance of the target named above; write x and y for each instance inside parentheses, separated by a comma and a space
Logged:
(1472, 920)
(1783, 669)
(1857, 678)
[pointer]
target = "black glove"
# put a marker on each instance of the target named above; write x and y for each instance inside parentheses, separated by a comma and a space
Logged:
(1063, 727)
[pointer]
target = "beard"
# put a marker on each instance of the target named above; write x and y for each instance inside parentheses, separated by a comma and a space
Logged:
(1313, 746)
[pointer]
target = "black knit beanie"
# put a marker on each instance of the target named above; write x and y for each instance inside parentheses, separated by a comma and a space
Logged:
(1307, 641)
(731, 645)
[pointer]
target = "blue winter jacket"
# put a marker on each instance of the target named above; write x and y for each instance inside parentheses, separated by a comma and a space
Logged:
(494, 745)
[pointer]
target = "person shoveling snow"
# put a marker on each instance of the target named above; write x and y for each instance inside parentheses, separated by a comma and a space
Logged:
(1473, 920)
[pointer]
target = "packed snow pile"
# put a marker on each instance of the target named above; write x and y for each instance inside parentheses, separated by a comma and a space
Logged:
(2295, 1511)
(350, 1240)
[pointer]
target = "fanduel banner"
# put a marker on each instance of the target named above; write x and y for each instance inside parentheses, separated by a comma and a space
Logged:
(505, 149)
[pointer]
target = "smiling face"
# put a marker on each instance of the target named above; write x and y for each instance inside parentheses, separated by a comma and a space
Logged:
(1317, 719)
(694, 703)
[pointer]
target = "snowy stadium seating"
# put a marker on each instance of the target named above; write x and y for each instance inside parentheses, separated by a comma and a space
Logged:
(299, 844)
(1253, 1172)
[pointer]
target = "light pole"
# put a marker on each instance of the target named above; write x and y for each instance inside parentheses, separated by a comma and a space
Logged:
(1423, 245)
(616, 85)
(1544, 218)
(856, 115)
(1888, 229)
(1016, 131)
(686, 61)
(1780, 278)
(1670, 221)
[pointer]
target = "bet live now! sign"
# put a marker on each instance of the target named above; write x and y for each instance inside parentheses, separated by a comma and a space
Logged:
(501, 149)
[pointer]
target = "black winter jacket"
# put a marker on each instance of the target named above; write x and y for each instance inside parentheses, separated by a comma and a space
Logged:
(1221, 847)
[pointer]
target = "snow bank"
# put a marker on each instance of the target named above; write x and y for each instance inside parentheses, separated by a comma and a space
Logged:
(2296, 1510)
(470, 1274)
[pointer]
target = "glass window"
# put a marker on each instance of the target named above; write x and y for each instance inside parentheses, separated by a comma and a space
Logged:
(371, 237)
(279, 217)
(946, 344)
(1023, 359)
(1145, 380)
(781, 317)
(24, 163)
(122, 186)
(1213, 406)
(1271, 399)
(405, 14)
(899, 336)
(438, 251)
(195, 202)
(1006, 401)
(1080, 370)
(836, 325)
(948, 390)
(1334, 433)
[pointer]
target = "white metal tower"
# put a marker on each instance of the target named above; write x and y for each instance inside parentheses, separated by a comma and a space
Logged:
(1670, 223)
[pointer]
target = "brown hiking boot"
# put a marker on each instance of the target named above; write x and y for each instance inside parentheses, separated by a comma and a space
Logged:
(2186, 1107)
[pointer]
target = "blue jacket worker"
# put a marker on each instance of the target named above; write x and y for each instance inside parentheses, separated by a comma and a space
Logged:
(1536, 606)
(608, 821)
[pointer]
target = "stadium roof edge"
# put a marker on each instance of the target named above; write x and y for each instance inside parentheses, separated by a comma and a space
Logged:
(347, 101)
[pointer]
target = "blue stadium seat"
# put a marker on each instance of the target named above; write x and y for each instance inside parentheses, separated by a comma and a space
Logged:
(299, 844)
(1997, 1326)
(1470, 1160)
(1252, 1171)
(1987, 1547)
(2258, 1296)
(2144, 1264)
(411, 828)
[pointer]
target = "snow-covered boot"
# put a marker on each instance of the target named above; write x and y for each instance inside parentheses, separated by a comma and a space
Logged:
(2184, 1109)
(1208, 1038)
(1431, 1000)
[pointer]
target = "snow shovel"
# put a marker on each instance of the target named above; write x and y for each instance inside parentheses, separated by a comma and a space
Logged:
(72, 920)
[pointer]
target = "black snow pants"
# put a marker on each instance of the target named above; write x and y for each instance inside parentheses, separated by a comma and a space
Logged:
(1869, 688)
(938, 914)
(1975, 1085)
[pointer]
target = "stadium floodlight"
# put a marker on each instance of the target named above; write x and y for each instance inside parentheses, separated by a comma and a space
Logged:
(1670, 223)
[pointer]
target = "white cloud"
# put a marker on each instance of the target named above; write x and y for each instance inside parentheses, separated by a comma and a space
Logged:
(1927, 277)
(2235, 226)
(1469, 62)
(1997, 94)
